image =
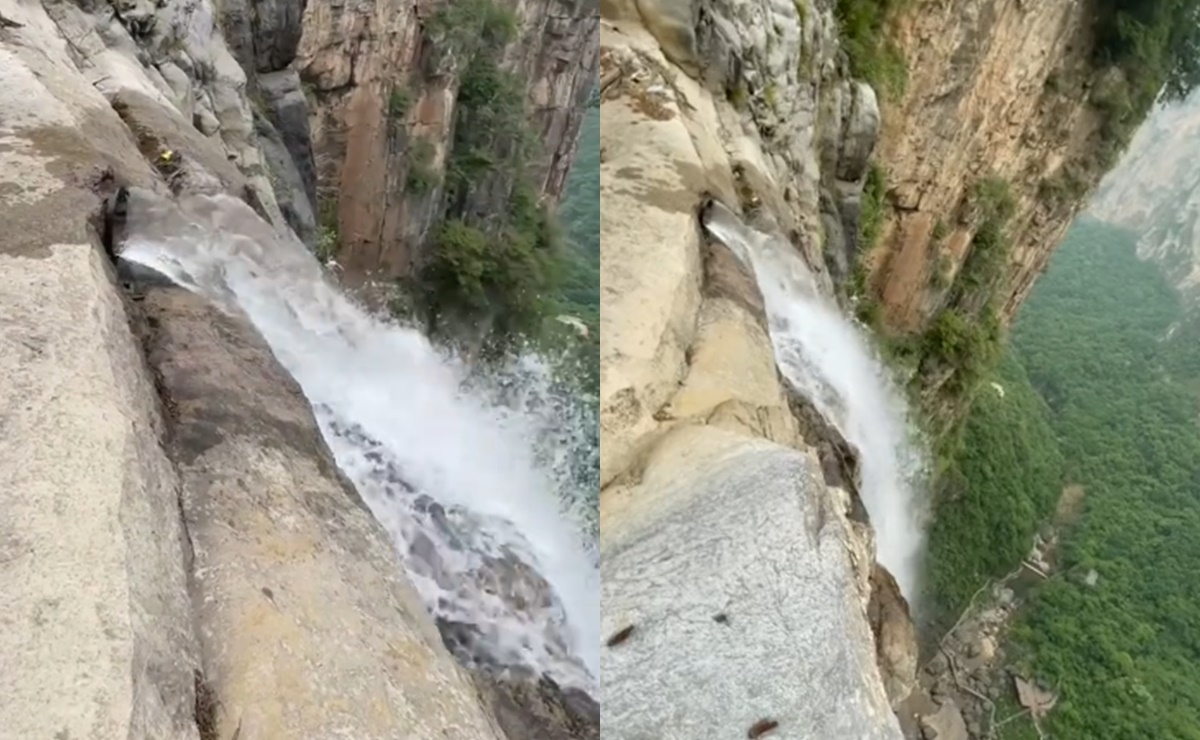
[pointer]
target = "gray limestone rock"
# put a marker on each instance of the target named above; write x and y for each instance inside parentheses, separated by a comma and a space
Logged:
(736, 579)
(860, 129)
(288, 110)
(287, 182)
(263, 34)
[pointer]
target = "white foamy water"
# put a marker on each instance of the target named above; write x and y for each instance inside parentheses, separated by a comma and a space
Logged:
(468, 474)
(831, 360)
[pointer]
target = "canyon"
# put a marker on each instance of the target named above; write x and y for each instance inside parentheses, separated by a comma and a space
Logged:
(182, 555)
(923, 160)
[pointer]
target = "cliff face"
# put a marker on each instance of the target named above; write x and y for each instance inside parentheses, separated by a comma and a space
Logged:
(714, 499)
(384, 79)
(997, 91)
(1155, 191)
(141, 419)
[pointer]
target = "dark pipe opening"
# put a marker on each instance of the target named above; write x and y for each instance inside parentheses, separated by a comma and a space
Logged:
(116, 206)
(705, 207)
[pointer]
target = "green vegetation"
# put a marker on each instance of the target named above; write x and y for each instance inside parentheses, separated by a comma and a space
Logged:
(940, 231)
(1125, 651)
(507, 275)
(873, 56)
(1001, 477)
(498, 253)
(469, 27)
(1122, 402)
(421, 177)
(580, 215)
(990, 247)
(399, 103)
(328, 237)
(968, 346)
(963, 342)
(736, 94)
(1149, 46)
(872, 210)
(1156, 43)
(1067, 187)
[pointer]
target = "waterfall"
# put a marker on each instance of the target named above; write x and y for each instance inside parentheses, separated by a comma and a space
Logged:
(832, 361)
(473, 476)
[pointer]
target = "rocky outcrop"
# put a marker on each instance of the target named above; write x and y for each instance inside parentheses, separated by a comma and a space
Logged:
(728, 559)
(729, 530)
(895, 635)
(96, 631)
(383, 77)
(97, 635)
(805, 132)
(996, 89)
(179, 555)
(307, 626)
(264, 35)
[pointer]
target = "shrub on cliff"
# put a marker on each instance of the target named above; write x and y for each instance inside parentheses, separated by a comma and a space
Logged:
(873, 56)
(511, 274)
(496, 257)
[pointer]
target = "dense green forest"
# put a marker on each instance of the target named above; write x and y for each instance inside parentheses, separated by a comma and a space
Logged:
(1003, 478)
(1118, 388)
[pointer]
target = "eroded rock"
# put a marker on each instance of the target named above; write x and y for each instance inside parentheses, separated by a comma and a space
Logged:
(540, 708)
(945, 724)
(307, 626)
(895, 636)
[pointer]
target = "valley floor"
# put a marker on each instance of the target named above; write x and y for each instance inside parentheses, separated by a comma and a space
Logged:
(1099, 391)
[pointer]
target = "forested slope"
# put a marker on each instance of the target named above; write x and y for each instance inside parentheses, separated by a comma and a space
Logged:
(1100, 344)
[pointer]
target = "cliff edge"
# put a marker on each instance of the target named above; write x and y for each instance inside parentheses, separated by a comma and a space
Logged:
(180, 556)
(736, 572)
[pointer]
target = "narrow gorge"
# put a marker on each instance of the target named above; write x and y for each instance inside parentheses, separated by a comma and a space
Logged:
(246, 494)
(836, 502)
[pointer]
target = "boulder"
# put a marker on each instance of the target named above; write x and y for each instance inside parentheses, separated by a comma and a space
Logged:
(860, 129)
(945, 724)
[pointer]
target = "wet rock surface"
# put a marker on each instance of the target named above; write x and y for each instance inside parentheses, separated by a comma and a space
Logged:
(300, 604)
(527, 705)
(895, 635)
(538, 708)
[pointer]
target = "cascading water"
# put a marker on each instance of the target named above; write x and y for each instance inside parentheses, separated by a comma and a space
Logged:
(829, 359)
(476, 478)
